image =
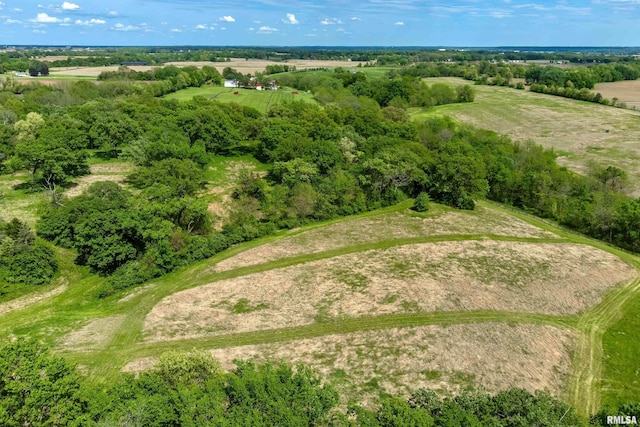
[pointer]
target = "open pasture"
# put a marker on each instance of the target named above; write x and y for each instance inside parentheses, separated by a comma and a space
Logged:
(401, 360)
(551, 279)
(260, 100)
(580, 132)
(393, 226)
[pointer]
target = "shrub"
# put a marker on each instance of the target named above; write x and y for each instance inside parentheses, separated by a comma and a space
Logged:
(421, 203)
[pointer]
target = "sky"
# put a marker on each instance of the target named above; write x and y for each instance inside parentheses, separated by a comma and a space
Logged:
(321, 23)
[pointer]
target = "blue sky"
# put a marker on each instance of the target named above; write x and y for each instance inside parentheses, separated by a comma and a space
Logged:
(325, 23)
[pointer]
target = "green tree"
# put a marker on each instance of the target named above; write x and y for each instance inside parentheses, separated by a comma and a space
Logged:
(37, 388)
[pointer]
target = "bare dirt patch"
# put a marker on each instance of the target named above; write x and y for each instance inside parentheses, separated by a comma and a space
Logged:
(444, 358)
(94, 335)
(556, 279)
(385, 227)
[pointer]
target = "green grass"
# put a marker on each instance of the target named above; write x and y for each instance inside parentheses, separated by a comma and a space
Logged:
(260, 100)
(583, 132)
(621, 345)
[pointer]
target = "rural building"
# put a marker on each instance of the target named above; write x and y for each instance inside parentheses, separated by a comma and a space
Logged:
(231, 83)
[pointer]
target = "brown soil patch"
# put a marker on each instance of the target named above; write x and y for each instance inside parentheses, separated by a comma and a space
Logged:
(556, 279)
(448, 359)
(626, 91)
(30, 299)
(94, 335)
(385, 227)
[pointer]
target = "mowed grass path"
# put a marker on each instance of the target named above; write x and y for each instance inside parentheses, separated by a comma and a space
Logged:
(260, 100)
(580, 132)
(591, 382)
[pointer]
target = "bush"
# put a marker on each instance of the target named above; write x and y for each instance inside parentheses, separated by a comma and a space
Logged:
(421, 203)
(33, 266)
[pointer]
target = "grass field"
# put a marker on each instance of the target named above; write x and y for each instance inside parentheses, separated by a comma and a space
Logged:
(373, 332)
(260, 100)
(580, 132)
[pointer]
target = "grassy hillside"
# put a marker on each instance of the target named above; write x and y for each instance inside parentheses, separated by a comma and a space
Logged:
(580, 132)
(384, 302)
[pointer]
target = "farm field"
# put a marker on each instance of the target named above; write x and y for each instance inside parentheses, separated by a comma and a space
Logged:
(366, 331)
(627, 91)
(580, 132)
(244, 66)
(260, 100)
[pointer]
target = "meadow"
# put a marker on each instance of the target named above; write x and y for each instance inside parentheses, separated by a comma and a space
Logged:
(580, 132)
(346, 342)
(260, 100)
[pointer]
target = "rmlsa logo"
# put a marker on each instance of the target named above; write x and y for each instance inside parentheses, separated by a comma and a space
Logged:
(620, 420)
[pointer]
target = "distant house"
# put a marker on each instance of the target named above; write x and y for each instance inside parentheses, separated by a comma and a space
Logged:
(21, 74)
(231, 83)
(258, 86)
(134, 63)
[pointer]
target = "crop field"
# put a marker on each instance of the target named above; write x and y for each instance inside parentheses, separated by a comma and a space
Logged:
(580, 132)
(260, 100)
(250, 66)
(377, 309)
(627, 91)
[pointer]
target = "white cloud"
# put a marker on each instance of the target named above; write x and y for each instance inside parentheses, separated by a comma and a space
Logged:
(112, 13)
(12, 21)
(201, 27)
(70, 6)
(311, 35)
(499, 14)
(257, 22)
(91, 21)
(251, 29)
(399, 23)
(44, 18)
(39, 32)
(227, 18)
(121, 27)
(267, 30)
(355, 18)
(291, 19)
(331, 21)
(175, 30)
(17, 9)
(223, 28)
